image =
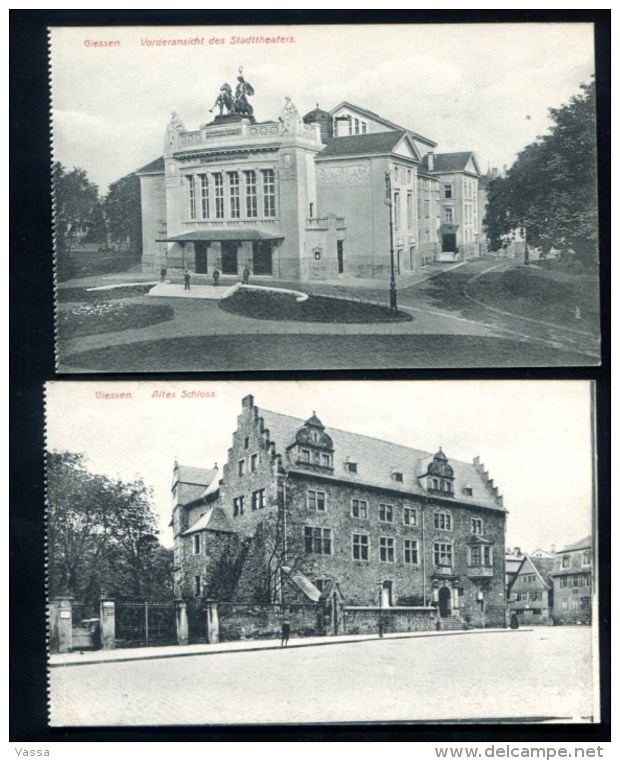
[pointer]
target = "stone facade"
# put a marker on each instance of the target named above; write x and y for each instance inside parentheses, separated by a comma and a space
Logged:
(302, 506)
(304, 198)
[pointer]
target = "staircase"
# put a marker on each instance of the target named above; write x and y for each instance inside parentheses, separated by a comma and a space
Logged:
(452, 624)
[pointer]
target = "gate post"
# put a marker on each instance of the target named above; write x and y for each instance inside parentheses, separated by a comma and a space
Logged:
(181, 619)
(107, 619)
(60, 623)
(213, 622)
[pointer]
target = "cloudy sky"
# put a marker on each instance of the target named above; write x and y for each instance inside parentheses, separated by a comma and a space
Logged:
(532, 436)
(482, 87)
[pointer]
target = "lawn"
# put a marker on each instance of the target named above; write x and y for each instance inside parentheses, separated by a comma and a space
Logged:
(265, 305)
(542, 294)
(106, 317)
(312, 352)
(535, 292)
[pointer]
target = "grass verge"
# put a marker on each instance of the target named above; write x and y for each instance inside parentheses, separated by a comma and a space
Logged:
(262, 305)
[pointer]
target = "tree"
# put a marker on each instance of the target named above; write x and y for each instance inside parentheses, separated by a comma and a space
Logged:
(123, 212)
(550, 190)
(102, 536)
(78, 214)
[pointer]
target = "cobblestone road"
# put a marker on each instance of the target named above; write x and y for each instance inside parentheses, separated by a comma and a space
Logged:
(545, 673)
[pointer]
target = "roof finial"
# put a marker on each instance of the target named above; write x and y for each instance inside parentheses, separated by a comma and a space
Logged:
(215, 466)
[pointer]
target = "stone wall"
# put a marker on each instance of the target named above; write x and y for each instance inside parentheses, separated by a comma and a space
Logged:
(240, 621)
(365, 620)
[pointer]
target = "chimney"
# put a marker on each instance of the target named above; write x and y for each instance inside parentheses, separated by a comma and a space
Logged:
(247, 401)
(430, 160)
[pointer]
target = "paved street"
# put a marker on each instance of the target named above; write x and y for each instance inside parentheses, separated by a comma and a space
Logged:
(544, 674)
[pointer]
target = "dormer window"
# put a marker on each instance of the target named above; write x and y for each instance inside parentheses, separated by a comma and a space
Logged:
(351, 467)
(315, 437)
(304, 455)
(587, 558)
(326, 460)
(468, 491)
(397, 476)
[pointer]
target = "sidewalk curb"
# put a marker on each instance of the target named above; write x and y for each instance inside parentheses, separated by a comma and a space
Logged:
(293, 644)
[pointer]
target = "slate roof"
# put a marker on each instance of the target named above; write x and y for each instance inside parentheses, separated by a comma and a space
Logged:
(216, 234)
(214, 519)
(154, 167)
(377, 460)
(449, 162)
(194, 483)
(303, 583)
(368, 144)
(188, 474)
(582, 544)
(378, 117)
(544, 566)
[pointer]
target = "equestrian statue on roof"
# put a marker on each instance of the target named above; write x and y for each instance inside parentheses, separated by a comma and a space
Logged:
(237, 104)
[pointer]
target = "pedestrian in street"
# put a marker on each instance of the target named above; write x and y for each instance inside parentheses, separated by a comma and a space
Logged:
(216, 276)
(286, 633)
(162, 274)
(186, 278)
(246, 276)
(514, 621)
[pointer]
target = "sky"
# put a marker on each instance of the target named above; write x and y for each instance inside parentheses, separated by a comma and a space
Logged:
(532, 436)
(481, 87)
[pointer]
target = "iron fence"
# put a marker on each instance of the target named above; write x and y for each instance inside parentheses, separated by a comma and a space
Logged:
(145, 624)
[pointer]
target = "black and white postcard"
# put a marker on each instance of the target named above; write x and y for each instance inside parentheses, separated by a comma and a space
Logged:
(325, 197)
(230, 553)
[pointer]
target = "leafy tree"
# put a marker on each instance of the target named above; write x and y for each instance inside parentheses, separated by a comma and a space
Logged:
(78, 214)
(122, 207)
(550, 191)
(102, 536)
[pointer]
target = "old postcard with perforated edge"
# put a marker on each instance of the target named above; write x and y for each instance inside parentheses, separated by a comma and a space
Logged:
(324, 197)
(316, 564)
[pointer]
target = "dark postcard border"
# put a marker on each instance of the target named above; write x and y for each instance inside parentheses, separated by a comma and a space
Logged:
(32, 363)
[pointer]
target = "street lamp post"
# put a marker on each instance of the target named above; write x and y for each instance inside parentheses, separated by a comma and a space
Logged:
(389, 201)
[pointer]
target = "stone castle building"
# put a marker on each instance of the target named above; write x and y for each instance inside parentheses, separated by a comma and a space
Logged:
(305, 198)
(300, 507)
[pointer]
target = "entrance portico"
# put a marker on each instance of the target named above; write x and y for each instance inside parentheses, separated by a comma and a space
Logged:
(230, 250)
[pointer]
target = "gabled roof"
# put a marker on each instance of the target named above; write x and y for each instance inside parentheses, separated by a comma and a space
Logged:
(188, 474)
(371, 143)
(542, 566)
(214, 519)
(303, 583)
(377, 460)
(451, 162)
(382, 120)
(582, 544)
(155, 167)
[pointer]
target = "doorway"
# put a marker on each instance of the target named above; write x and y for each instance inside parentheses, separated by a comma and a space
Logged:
(340, 250)
(229, 257)
(262, 258)
(200, 249)
(448, 242)
(386, 594)
(445, 602)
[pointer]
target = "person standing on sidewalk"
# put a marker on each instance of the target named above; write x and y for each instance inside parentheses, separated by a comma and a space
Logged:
(162, 274)
(286, 633)
(246, 276)
(186, 279)
(216, 276)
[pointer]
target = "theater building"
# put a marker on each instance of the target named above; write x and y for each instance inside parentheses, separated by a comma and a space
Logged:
(382, 521)
(306, 197)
